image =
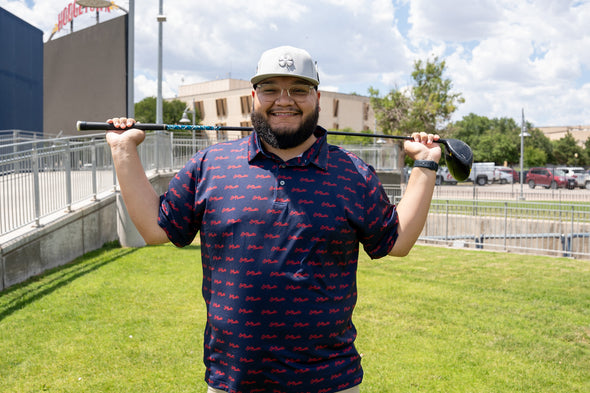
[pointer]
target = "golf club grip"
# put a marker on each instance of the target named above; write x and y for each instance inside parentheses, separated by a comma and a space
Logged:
(104, 126)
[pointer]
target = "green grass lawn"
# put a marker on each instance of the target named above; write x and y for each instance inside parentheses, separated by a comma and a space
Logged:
(439, 320)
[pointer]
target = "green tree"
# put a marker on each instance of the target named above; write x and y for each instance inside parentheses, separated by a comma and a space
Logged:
(349, 139)
(567, 151)
(433, 101)
(492, 140)
(539, 141)
(498, 140)
(145, 111)
(392, 111)
(426, 106)
(586, 154)
(533, 156)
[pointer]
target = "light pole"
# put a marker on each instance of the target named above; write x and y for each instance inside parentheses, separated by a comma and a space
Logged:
(161, 19)
(523, 133)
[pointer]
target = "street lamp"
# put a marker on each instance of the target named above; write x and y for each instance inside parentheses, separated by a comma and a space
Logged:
(523, 133)
(184, 120)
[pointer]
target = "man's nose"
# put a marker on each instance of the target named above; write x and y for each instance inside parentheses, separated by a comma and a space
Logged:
(285, 94)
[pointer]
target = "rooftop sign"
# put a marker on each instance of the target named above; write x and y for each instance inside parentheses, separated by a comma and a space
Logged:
(74, 10)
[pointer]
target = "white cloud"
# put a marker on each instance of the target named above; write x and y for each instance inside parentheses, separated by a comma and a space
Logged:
(501, 55)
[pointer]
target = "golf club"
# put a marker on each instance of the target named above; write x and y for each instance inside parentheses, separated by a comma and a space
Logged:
(458, 154)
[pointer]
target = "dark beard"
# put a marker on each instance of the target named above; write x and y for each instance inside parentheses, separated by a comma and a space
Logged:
(285, 139)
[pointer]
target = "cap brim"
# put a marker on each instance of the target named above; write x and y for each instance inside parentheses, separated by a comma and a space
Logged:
(259, 78)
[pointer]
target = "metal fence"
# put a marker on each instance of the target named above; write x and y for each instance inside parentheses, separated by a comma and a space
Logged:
(549, 228)
(40, 178)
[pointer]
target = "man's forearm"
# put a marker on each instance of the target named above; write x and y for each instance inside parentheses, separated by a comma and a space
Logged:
(140, 198)
(412, 210)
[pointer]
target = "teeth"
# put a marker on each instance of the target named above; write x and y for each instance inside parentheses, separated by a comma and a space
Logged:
(284, 113)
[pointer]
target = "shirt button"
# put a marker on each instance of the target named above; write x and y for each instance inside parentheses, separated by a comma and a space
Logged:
(282, 182)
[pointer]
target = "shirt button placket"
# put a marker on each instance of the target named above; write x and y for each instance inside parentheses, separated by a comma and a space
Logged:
(281, 195)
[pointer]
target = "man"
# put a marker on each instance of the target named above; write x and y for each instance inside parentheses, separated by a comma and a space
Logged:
(281, 214)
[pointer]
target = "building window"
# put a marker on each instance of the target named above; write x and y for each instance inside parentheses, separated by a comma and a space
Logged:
(200, 109)
(221, 104)
(336, 126)
(246, 102)
(245, 124)
(335, 107)
(221, 134)
(365, 111)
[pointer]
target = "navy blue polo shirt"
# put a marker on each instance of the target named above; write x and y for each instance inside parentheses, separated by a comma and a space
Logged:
(279, 243)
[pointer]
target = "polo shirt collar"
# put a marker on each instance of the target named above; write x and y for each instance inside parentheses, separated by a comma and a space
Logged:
(317, 154)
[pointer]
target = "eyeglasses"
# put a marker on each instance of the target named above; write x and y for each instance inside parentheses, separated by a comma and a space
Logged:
(270, 92)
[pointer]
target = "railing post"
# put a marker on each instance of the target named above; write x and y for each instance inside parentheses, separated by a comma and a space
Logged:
(447, 221)
(572, 230)
(68, 176)
(171, 150)
(114, 176)
(194, 142)
(36, 188)
(505, 224)
(93, 158)
(157, 148)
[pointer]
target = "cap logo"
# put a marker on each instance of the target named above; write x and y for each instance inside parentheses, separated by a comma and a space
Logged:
(286, 61)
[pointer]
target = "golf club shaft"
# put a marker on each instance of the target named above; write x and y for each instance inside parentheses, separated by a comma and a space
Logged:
(458, 155)
(103, 126)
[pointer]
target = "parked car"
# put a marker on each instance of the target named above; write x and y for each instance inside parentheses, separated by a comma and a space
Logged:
(515, 174)
(548, 178)
(443, 176)
(506, 175)
(579, 175)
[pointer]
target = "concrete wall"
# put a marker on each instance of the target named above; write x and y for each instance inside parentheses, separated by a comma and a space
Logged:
(68, 237)
(58, 243)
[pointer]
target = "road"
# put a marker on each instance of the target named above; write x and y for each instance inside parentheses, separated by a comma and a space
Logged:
(511, 192)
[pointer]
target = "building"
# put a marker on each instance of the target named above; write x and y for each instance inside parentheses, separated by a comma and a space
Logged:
(21, 74)
(580, 133)
(78, 83)
(228, 102)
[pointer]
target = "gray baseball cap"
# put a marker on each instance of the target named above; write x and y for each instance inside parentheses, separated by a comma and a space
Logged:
(286, 61)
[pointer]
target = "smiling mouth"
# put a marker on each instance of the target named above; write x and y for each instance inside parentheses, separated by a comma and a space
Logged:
(283, 113)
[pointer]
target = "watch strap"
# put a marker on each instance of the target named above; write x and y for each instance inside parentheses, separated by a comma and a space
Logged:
(432, 165)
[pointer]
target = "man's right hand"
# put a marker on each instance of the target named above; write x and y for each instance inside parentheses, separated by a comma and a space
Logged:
(125, 133)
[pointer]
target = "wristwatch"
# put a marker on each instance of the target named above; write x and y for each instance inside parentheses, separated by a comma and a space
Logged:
(432, 165)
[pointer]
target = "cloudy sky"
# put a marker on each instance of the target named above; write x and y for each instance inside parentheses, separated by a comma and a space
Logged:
(502, 55)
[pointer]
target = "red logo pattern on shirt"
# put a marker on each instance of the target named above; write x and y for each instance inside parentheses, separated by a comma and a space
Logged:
(279, 247)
